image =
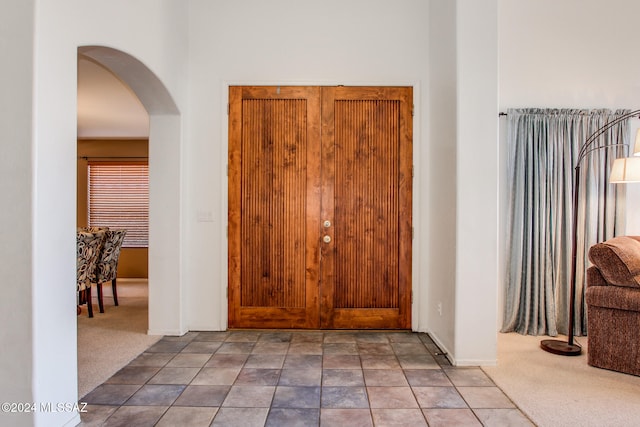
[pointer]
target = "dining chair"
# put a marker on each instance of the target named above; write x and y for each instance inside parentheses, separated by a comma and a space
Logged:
(107, 265)
(88, 247)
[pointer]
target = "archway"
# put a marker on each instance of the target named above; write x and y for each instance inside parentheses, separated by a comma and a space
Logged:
(166, 314)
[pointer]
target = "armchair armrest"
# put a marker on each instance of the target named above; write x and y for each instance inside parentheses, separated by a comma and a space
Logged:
(614, 297)
(594, 277)
(618, 260)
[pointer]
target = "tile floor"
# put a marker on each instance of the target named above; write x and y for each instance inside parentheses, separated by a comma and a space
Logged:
(298, 378)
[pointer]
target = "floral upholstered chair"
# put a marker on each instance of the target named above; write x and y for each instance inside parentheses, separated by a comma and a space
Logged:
(88, 247)
(107, 266)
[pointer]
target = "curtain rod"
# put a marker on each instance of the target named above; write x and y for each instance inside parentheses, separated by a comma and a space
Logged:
(501, 113)
(112, 157)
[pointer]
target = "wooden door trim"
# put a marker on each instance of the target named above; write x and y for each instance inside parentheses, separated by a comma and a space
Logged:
(234, 200)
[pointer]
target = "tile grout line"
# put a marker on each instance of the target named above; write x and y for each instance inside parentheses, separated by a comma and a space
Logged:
(395, 350)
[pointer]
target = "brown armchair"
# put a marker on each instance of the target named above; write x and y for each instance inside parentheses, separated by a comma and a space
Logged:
(613, 305)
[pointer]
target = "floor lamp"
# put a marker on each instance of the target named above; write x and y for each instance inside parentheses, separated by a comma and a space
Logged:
(569, 347)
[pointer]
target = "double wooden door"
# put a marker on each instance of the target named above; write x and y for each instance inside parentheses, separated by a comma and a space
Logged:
(320, 182)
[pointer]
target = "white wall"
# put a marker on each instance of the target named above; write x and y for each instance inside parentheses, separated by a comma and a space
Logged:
(167, 289)
(197, 49)
(247, 42)
(439, 238)
(16, 110)
(355, 43)
(477, 161)
(573, 53)
(54, 323)
(61, 27)
(462, 263)
(570, 54)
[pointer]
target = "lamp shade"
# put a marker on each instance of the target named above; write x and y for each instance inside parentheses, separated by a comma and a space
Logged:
(626, 169)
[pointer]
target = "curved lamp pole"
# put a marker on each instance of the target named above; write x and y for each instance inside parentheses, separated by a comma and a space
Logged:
(569, 348)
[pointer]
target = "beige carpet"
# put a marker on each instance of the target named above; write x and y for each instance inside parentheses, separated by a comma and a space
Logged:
(556, 391)
(110, 340)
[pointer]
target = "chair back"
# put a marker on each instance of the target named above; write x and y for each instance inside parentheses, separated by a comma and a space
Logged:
(107, 267)
(93, 229)
(88, 246)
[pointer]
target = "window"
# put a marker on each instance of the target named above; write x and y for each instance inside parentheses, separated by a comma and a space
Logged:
(119, 199)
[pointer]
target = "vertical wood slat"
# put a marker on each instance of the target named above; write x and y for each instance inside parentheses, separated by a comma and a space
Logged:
(366, 157)
(273, 210)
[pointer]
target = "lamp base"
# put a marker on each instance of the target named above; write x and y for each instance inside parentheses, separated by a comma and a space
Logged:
(562, 348)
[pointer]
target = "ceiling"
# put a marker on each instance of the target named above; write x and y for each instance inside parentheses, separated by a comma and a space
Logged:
(107, 107)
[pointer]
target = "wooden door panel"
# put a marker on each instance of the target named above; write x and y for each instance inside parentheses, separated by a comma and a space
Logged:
(365, 211)
(366, 279)
(274, 207)
(273, 195)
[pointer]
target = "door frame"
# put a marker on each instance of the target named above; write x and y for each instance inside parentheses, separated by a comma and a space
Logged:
(418, 307)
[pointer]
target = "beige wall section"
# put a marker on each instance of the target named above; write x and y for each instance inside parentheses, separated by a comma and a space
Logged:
(133, 261)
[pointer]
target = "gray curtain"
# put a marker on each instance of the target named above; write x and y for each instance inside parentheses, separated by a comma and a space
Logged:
(543, 146)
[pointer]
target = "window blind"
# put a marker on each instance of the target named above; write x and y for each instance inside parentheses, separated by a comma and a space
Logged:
(118, 198)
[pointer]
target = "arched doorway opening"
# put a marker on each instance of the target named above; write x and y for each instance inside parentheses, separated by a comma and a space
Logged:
(165, 314)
